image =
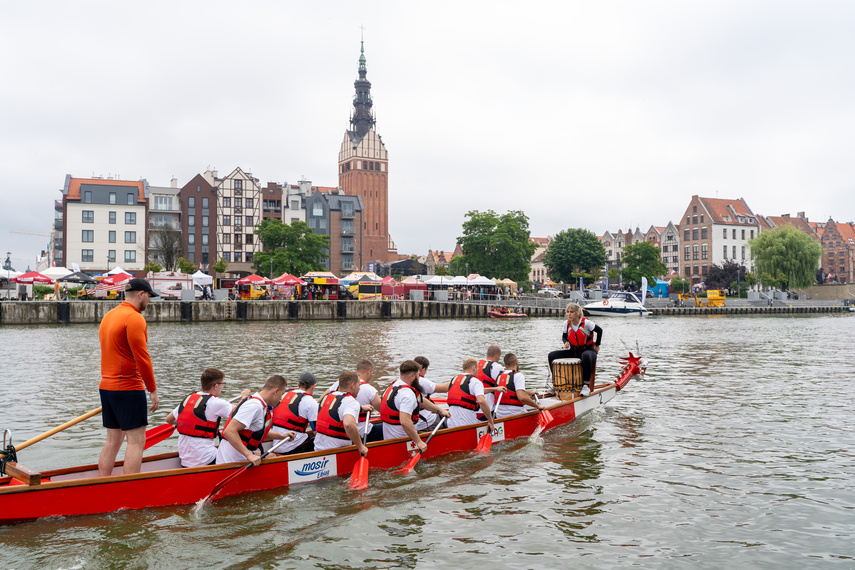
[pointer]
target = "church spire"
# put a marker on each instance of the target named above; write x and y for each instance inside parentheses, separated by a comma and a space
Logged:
(363, 118)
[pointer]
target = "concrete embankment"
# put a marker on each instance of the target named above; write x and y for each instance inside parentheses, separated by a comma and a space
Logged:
(48, 312)
(774, 310)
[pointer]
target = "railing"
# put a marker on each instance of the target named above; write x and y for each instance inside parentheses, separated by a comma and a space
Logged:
(347, 213)
(348, 265)
(347, 232)
(348, 248)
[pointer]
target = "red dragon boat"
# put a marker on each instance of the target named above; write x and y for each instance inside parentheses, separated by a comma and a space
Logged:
(163, 482)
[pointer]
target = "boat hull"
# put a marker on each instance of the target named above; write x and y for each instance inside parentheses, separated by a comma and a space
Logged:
(615, 312)
(496, 315)
(79, 491)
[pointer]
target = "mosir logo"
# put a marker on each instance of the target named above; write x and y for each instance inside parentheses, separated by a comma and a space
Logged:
(312, 470)
(498, 434)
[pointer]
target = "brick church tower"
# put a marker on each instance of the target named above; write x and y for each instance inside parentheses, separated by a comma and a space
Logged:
(364, 171)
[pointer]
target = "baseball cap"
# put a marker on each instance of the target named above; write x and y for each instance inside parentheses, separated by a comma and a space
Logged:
(307, 379)
(140, 285)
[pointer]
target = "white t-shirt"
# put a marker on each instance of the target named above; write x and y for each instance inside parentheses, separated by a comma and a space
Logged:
(406, 402)
(461, 416)
(495, 370)
(349, 407)
(365, 396)
(519, 384)
(198, 451)
(251, 414)
(427, 417)
(308, 409)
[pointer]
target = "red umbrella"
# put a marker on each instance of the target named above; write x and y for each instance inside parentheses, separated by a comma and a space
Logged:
(256, 279)
(288, 279)
(31, 277)
(117, 279)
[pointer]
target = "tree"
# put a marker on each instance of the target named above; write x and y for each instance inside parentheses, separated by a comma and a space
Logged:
(293, 248)
(166, 245)
(220, 266)
(785, 257)
(573, 252)
(441, 270)
(642, 259)
(153, 267)
(185, 266)
(495, 246)
(720, 277)
(679, 284)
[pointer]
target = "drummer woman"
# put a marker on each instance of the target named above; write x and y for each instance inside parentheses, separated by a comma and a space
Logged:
(578, 337)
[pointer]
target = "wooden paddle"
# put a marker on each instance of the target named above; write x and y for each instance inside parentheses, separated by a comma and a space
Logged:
(408, 467)
(55, 430)
(359, 477)
(230, 478)
(486, 441)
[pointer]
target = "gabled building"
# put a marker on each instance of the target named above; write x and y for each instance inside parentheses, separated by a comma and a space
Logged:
(538, 273)
(238, 210)
(670, 247)
(838, 243)
(199, 220)
(104, 223)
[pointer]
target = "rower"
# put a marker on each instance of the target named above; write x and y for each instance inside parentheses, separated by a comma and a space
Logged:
(198, 417)
(250, 423)
(298, 411)
(427, 419)
(338, 416)
(488, 371)
(516, 396)
(401, 403)
(368, 398)
(466, 396)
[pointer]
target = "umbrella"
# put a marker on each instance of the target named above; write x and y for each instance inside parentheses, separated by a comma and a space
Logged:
(116, 279)
(31, 277)
(78, 277)
(256, 279)
(288, 279)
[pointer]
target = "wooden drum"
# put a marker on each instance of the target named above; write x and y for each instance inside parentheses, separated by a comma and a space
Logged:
(566, 377)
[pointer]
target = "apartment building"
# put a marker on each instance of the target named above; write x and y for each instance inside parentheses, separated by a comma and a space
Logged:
(197, 201)
(238, 208)
(838, 260)
(330, 212)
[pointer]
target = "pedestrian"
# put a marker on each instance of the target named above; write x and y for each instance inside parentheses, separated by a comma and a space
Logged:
(126, 374)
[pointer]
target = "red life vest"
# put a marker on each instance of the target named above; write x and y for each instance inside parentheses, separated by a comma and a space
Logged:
(483, 374)
(389, 413)
(362, 415)
(287, 414)
(459, 394)
(509, 398)
(191, 418)
(330, 421)
(579, 338)
(252, 439)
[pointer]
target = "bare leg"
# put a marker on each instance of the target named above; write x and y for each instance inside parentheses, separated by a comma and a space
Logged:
(111, 448)
(134, 451)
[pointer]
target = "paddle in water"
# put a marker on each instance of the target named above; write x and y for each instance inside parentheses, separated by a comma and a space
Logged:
(486, 441)
(408, 467)
(233, 476)
(359, 477)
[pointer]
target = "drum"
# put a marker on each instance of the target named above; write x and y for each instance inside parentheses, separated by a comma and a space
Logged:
(567, 377)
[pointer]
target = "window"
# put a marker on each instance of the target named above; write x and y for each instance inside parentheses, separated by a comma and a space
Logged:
(238, 186)
(734, 234)
(112, 217)
(249, 221)
(191, 239)
(130, 256)
(364, 165)
(695, 219)
(702, 218)
(347, 226)
(695, 251)
(248, 239)
(688, 271)
(88, 236)
(752, 234)
(191, 202)
(704, 233)
(227, 202)
(130, 237)
(87, 255)
(130, 218)
(163, 202)
(695, 233)
(191, 221)
(743, 252)
(112, 197)
(686, 234)
(88, 216)
(697, 270)
(191, 255)
(227, 220)
(725, 250)
(204, 239)
(238, 257)
(130, 199)
(724, 233)
(227, 255)
(204, 221)
(704, 251)
(322, 223)
(111, 255)
(205, 203)
(295, 220)
(111, 236)
(87, 197)
(694, 209)
(686, 253)
(227, 238)
(734, 252)
(347, 210)
(249, 202)
(295, 204)
(249, 257)
(743, 234)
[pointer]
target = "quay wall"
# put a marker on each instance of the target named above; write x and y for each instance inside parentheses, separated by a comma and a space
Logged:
(81, 312)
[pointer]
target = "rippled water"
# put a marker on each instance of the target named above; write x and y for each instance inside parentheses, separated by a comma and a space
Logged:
(735, 451)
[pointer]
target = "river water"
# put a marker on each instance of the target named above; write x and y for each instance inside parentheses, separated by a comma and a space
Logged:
(736, 450)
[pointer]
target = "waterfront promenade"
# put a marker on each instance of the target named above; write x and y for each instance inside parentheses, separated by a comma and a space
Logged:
(83, 312)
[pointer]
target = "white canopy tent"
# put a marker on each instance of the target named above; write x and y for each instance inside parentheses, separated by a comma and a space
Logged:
(202, 278)
(481, 280)
(56, 272)
(116, 270)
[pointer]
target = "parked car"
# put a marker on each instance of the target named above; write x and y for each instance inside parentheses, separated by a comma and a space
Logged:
(551, 292)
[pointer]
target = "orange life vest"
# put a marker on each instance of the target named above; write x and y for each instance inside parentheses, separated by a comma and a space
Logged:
(389, 413)
(459, 394)
(191, 418)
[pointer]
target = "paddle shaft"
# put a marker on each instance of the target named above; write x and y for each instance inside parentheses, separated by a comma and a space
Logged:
(436, 429)
(226, 481)
(57, 429)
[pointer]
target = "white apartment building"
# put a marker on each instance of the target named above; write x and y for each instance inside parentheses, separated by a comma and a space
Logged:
(239, 209)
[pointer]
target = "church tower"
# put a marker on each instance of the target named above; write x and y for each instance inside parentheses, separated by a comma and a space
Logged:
(364, 171)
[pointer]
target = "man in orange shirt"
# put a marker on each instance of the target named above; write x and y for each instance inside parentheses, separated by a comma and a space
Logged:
(126, 373)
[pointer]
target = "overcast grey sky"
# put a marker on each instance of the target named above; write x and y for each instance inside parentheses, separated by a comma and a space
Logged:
(601, 115)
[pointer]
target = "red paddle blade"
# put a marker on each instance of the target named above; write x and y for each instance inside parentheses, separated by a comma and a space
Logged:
(359, 479)
(157, 434)
(542, 420)
(548, 415)
(410, 465)
(484, 443)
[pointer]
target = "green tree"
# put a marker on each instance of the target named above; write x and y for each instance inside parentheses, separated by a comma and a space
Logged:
(642, 259)
(721, 277)
(785, 257)
(441, 270)
(573, 252)
(679, 284)
(293, 247)
(185, 266)
(220, 266)
(495, 246)
(153, 267)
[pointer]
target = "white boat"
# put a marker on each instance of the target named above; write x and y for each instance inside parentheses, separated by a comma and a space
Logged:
(618, 304)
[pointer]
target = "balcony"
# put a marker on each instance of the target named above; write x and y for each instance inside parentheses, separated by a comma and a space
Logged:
(348, 266)
(347, 231)
(347, 213)
(57, 225)
(348, 248)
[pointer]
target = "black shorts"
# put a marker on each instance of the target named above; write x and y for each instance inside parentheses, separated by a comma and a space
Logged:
(123, 409)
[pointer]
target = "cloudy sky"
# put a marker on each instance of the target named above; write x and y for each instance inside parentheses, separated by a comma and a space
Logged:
(600, 115)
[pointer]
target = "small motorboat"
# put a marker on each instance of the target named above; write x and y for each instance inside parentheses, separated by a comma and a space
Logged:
(496, 314)
(619, 304)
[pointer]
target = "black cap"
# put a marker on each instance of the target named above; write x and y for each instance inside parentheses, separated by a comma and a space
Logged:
(306, 379)
(140, 285)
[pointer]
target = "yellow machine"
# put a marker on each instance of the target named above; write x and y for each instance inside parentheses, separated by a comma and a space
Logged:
(715, 298)
(689, 297)
(252, 292)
